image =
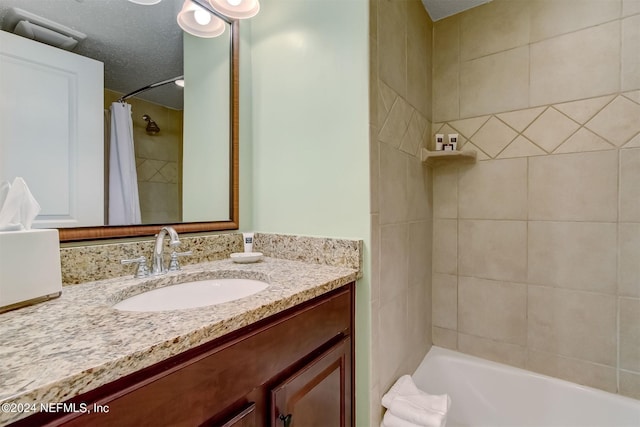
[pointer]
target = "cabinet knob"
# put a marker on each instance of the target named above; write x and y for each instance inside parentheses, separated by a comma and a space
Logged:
(286, 420)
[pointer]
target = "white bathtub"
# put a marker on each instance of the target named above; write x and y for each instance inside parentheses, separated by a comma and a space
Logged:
(485, 393)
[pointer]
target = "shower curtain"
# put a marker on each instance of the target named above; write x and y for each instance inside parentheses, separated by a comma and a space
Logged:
(124, 203)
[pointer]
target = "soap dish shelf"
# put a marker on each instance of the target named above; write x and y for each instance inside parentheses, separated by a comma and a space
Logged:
(435, 158)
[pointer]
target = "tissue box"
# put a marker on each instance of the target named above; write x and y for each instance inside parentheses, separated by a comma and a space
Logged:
(29, 267)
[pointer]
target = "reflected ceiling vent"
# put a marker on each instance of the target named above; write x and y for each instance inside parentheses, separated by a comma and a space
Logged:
(26, 24)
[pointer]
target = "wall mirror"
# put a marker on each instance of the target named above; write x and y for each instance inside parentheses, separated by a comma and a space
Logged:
(185, 138)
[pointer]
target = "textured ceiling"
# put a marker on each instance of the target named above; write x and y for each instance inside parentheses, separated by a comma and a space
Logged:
(139, 45)
(439, 9)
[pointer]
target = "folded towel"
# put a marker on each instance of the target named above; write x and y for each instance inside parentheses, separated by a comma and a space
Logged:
(407, 402)
(391, 420)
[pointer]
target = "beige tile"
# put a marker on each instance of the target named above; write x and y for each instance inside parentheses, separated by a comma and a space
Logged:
(468, 127)
(491, 309)
(551, 129)
(446, 69)
(496, 26)
(393, 347)
(629, 188)
(576, 65)
(501, 352)
(420, 247)
(375, 258)
(574, 370)
(480, 155)
(630, 384)
(418, 53)
(583, 110)
(376, 409)
(520, 119)
(396, 123)
(580, 187)
(583, 140)
(628, 264)
(633, 95)
(419, 191)
(419, 325)
(630, 334)
(394, 264)
(445, 301)
(521, 147)
(493, 137)
(374, 170)
(617, 122)
(445, 192)
(393, 196)
(631, 53)
(575, 255)
(495, 189)
(634, 143)
(572, 323)
(551, 17)
(445, 246)
(493, 249)
(495, 83)
(412, 139)
(445, 338)
(392, 47)
(630, 7)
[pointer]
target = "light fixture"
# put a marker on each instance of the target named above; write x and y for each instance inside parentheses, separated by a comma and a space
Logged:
(145, 2)
(199, 22)
(236, 9)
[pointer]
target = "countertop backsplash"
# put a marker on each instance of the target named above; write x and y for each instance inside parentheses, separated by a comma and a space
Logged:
(82, 264)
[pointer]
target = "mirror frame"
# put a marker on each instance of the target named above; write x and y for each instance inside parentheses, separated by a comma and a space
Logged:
(110, 232)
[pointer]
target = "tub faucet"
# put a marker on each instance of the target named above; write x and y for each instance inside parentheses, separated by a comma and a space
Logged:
(158, 251)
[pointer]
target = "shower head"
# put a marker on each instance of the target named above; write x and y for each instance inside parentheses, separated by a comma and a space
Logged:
(152, 127)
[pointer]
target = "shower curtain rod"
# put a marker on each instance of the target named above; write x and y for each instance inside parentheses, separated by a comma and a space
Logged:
(151, 86)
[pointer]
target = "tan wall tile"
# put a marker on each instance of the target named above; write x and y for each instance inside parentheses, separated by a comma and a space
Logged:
(575, 370)
(375, 258)
(445, 246)
(396, 123)
(630, 7)
(629, 188)
(392, 46)
(393, 346)
(446, 69)
(494, 136)
(630, 384)
(576, 255)
(630, 334)
(617, 122)
(570, 323)
(497, 351)
(629, 261)
(394, 261)
(491, 309)
(493, 249)
(551, 17)
(576, 65)
(393, 195)
(581, 187)
(494, 27)
(420, 247)
(445, 192)
(419, 324)
(495, 83)
(418, 57)
(445, 338)
(495, 189)
(445, 301)
(551, 129)
(631, 53)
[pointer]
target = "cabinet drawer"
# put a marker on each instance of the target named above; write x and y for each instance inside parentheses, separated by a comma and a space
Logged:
(189, 389)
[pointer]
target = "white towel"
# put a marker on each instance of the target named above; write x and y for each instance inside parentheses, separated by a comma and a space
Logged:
(407, 402)
(391, 420)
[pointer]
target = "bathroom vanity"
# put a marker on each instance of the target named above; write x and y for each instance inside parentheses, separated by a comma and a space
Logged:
(282, 357)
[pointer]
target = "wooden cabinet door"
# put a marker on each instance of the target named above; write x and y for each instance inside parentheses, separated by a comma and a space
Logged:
(318, 394)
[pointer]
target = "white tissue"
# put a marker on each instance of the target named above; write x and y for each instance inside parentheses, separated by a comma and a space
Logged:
(18, 207)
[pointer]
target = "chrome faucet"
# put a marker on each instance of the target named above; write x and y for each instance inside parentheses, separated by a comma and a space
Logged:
(158, 251)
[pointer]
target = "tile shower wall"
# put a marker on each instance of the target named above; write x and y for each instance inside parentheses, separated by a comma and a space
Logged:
(400, 102)
(158, 160)
(537, 246)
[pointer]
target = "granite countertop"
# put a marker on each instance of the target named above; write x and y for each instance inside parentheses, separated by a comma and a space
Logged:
(59, 349)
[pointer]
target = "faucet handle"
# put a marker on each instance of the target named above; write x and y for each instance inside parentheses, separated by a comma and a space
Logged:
(174, 265)
(142, 270)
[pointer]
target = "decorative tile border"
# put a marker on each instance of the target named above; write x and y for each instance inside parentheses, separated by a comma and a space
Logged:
(602, 123)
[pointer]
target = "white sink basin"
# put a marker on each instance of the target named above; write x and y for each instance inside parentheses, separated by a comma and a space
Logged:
(192, 294)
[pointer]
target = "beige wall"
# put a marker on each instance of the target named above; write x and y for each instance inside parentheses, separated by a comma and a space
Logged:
(537, 246)
(400, 93)
(158, 160)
